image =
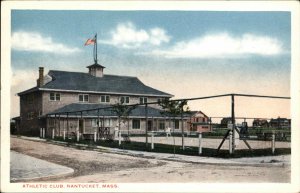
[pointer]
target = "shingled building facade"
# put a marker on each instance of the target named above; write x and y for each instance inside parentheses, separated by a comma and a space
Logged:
(43, 106)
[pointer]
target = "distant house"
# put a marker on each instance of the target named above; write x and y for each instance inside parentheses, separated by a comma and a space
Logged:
(280, 123)
(199, 122)
(225, 121)
(260, 123)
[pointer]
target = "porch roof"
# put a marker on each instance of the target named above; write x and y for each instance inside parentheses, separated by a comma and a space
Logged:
(105, 110)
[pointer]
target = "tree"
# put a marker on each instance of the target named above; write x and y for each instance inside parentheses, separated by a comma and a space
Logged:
(174, 109)
(122, 111)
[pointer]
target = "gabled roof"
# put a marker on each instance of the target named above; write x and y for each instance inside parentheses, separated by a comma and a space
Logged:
(28, 90)
(194, 113)
(108, 84)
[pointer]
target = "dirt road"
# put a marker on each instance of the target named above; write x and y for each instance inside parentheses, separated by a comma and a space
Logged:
(95, 166)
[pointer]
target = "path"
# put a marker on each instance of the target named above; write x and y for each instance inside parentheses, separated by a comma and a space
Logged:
(24, 168)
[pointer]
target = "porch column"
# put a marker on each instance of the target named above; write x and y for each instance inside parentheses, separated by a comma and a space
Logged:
(102, 129)
(47, 123)
(67, 125)
(59, 125)
(82, 122)
(98, 123)
(146, 114)
(55, 122)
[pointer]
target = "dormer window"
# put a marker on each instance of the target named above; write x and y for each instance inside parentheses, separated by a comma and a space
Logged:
(83, 98)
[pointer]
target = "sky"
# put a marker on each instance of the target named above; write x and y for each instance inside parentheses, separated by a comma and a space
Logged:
(185, 53)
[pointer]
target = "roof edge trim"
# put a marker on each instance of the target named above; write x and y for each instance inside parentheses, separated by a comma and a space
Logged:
(95, 92)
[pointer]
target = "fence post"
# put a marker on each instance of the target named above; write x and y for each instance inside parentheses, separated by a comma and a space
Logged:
(183, 147)
(273, 142)
(95, 135)
(41, 132)
(152, 140)
(200, 143)
(53, 133)
(77, 134)
(44, 132)
(120, 137)
(230, 142)
(64, 134)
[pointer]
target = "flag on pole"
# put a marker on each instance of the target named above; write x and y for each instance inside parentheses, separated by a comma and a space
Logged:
(90, 41)
(93, 41)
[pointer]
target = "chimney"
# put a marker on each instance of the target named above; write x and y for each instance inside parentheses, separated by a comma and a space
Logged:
(40, 81)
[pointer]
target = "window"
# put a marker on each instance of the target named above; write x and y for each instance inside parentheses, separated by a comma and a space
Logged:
(83, 98)
(30, 115)
(176, 124)
(104, 99)
(136, 124)
(162, 125)
(108, 122)
(159, 100)
(124, 99)
(54, 96)
(143, 100)
(94, 122)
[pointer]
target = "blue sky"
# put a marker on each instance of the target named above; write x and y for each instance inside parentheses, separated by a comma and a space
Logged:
(186, 53)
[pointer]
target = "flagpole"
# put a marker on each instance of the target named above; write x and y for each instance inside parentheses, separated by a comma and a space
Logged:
(96, 60)
(94, 50)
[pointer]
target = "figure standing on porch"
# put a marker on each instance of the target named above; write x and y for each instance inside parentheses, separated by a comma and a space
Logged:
(168, 131)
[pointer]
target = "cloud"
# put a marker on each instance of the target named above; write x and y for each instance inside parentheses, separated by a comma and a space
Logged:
(223, 45)
(126, 35)
(33, 41)
(21, 80)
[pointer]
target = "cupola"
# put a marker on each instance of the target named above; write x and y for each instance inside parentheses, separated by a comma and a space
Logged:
(96, 70)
